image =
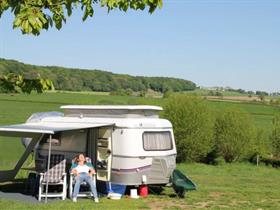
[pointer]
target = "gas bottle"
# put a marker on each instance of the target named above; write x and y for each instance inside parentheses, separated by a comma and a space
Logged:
(143, 190)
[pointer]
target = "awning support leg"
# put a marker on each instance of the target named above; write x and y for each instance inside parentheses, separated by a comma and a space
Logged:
(11, 174)
(48, 167)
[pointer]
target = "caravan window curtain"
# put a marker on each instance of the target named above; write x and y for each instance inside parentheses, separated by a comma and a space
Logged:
(157, 141)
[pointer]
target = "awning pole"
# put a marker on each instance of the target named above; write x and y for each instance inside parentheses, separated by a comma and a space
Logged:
(48, 168)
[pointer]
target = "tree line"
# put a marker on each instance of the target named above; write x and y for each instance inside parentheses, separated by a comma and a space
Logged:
(94, 80)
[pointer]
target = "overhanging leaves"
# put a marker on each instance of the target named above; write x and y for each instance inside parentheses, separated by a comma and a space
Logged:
(12, 83)
(31, 16)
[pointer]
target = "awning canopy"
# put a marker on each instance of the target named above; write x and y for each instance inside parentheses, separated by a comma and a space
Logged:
(38, 128)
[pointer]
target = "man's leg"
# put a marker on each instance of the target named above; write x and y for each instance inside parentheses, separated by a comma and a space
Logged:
(92, 186)
(79, 180)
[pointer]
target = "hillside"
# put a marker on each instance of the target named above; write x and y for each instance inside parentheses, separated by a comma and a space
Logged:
(94, 80)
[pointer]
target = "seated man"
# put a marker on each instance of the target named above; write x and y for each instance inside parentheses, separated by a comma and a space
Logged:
(83, 173)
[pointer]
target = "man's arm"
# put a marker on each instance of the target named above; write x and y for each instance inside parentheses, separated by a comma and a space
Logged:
(74, 171)
(91, 171)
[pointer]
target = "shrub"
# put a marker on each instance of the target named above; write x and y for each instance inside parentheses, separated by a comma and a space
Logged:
(211, 93)
(167, 94)
(274, 162)
(192, 126)
(129, 92)
(233, 134)
(262, 97)
(261, 145)
(275, 136)
(142, 93)
(219, 161)
(122, 92)
(218, 94)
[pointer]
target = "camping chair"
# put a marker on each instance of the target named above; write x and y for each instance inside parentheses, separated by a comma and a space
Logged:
(181, 183)
(55, 176)
(83, 192)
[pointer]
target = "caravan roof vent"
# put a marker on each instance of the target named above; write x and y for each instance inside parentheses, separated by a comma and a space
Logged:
(113, 111)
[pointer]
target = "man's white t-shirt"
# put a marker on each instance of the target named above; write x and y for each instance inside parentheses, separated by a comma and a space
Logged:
(82, 169)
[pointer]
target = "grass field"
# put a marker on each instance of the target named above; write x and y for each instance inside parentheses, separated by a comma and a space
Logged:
(230, 186)
(205, 92)
(237, 186)
(262, 114)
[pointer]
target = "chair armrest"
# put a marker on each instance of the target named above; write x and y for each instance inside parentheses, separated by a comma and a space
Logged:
(41, 176)
(71, 175)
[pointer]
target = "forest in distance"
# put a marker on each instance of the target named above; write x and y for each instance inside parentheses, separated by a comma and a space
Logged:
(94, 80)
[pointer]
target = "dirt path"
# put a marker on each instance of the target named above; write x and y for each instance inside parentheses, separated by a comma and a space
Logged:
(160, 204)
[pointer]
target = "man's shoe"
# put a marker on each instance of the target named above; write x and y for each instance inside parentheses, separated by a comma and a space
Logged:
(75, 200)
(96, 200)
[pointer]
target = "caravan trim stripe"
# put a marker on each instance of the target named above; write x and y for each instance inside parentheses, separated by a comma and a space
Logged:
(130, 170)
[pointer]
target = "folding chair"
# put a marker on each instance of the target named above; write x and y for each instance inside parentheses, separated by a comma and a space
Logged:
(55, 176)
(83, 192)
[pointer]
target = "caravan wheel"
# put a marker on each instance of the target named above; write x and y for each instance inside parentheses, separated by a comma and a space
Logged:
(156, 189)
(180, 192)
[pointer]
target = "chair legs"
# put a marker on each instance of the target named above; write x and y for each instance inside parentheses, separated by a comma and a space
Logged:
(42, 190)
(64, 188)
(71, 186)
(40, 187)
(81, 194)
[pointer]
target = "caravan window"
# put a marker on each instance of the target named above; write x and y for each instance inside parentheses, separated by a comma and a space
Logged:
(56, 140)
(157, 141)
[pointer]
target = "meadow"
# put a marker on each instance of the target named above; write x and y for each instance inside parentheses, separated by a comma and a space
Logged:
(231, 186)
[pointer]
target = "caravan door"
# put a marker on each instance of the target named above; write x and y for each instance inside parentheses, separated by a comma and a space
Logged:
(104, 153)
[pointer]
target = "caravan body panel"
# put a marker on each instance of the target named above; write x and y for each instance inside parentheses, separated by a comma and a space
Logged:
(133, 165)
(141, 146)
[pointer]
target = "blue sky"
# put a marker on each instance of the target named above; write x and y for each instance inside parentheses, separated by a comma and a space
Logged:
(213, 43)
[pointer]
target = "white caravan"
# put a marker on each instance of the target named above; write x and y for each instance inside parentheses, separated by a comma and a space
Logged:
(129, 145)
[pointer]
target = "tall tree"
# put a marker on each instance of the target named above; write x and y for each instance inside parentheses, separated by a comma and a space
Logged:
(31, 16)
(233, 134)
(192, 125)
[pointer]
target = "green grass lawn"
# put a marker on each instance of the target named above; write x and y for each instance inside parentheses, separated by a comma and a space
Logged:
(234, 186)
(230, 186)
